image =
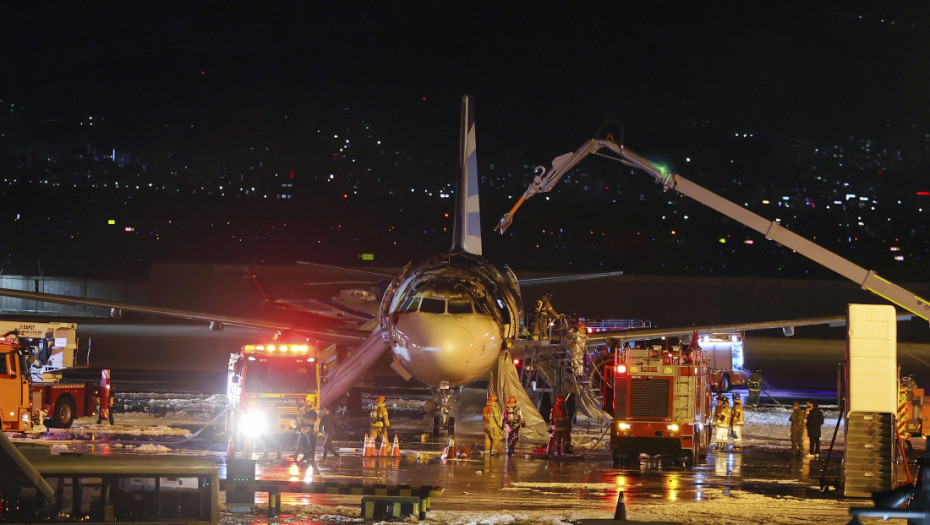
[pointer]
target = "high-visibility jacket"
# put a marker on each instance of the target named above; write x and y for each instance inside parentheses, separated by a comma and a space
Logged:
(722, 416)
(491, 415)
(736, 415)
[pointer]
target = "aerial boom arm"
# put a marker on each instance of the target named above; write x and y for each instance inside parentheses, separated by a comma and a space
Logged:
(867, 279)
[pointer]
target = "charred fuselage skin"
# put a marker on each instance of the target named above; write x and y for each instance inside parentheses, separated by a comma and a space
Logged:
(450, 316)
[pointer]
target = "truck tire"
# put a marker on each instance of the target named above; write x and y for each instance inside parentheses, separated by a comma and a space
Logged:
(724, 385)
(64, 413)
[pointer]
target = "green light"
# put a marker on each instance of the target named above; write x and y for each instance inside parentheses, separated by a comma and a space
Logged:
(663, 169)
(722, 240)
(367, 256)
(111, 222)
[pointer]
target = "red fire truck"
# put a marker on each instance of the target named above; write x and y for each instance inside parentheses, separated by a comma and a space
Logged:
(31, 358)
(660, 400)
(266, 385)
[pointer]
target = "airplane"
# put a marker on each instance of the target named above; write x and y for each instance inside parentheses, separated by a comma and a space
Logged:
(448, 319)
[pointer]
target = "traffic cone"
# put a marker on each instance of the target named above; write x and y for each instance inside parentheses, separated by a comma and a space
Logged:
(449, 452)
(395, 450)
(369, 446)
(384, 452)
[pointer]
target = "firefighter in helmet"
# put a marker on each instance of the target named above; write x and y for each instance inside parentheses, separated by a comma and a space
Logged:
(512, 421)
(491, 415)
(754, 385)
(379, 420)
(560, 421)
(544, 314)
(722, 423)
(736, 422)
(306, 431)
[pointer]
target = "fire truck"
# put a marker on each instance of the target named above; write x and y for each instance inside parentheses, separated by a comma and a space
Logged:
(32, 357)
(660, 400)
(266, 384)
(912, 416)
(723, 353)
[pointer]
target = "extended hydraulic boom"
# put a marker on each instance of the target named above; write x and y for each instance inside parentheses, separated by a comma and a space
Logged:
(867, 279)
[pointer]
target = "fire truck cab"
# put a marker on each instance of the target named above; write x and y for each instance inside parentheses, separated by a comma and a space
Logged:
(266, 384)
(660, 399)
(32, 357)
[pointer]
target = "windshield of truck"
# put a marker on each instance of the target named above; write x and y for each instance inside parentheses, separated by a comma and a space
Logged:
(279, 376)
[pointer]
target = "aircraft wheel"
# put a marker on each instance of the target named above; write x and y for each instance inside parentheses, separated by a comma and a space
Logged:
(451, 426)
(64, 412)
(436, 432)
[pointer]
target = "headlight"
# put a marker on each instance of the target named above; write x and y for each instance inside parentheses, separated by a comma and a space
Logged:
(673, 427)
(624, 426)
(253, 423)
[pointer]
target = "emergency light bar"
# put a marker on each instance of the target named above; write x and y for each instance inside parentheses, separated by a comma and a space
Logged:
(272, 349)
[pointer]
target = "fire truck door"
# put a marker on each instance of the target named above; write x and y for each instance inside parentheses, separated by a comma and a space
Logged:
(11, 386)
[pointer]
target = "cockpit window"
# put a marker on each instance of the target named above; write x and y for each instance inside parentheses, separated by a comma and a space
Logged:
(411, 304)
(460, 306)
(432, 306)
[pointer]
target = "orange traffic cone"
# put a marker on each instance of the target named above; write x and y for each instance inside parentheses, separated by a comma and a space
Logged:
(449, 452)
(384, 452)
(395, 450)
(369, 446)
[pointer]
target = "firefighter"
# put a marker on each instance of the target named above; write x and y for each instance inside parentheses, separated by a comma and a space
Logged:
(512, 421)
(754, 384)
(327, 428)
(544, 314)
(797, 428)
(814, 423)
(561, 428)
(306, 431)
(379, 420)
(493, 432)
(575, 340)
(736, 422)
(722, 423)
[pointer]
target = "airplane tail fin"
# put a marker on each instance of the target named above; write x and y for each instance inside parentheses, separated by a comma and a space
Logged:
(467, 228)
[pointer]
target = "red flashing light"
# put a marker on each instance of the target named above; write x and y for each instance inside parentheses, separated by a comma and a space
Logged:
(621, 369)
(516, 362)
(924, 193)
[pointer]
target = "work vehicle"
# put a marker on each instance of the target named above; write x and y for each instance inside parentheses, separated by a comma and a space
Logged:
(912, 417)
(723, 353)
(266, 384)
(660, 400)
(32, 357)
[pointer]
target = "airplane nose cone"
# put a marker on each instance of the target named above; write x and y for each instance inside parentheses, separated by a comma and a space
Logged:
(457, 350)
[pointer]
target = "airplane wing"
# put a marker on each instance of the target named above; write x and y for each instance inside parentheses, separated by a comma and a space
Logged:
(567, 278)
(341, 334)
(374, 275)
(641, 334)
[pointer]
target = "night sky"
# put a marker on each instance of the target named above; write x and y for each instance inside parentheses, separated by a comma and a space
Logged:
(545, 75)
(205, 81)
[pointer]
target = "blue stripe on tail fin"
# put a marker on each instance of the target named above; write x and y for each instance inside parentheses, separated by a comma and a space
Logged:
(467, 228)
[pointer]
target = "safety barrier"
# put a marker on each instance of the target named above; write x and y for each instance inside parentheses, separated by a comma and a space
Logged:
(401, 494)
